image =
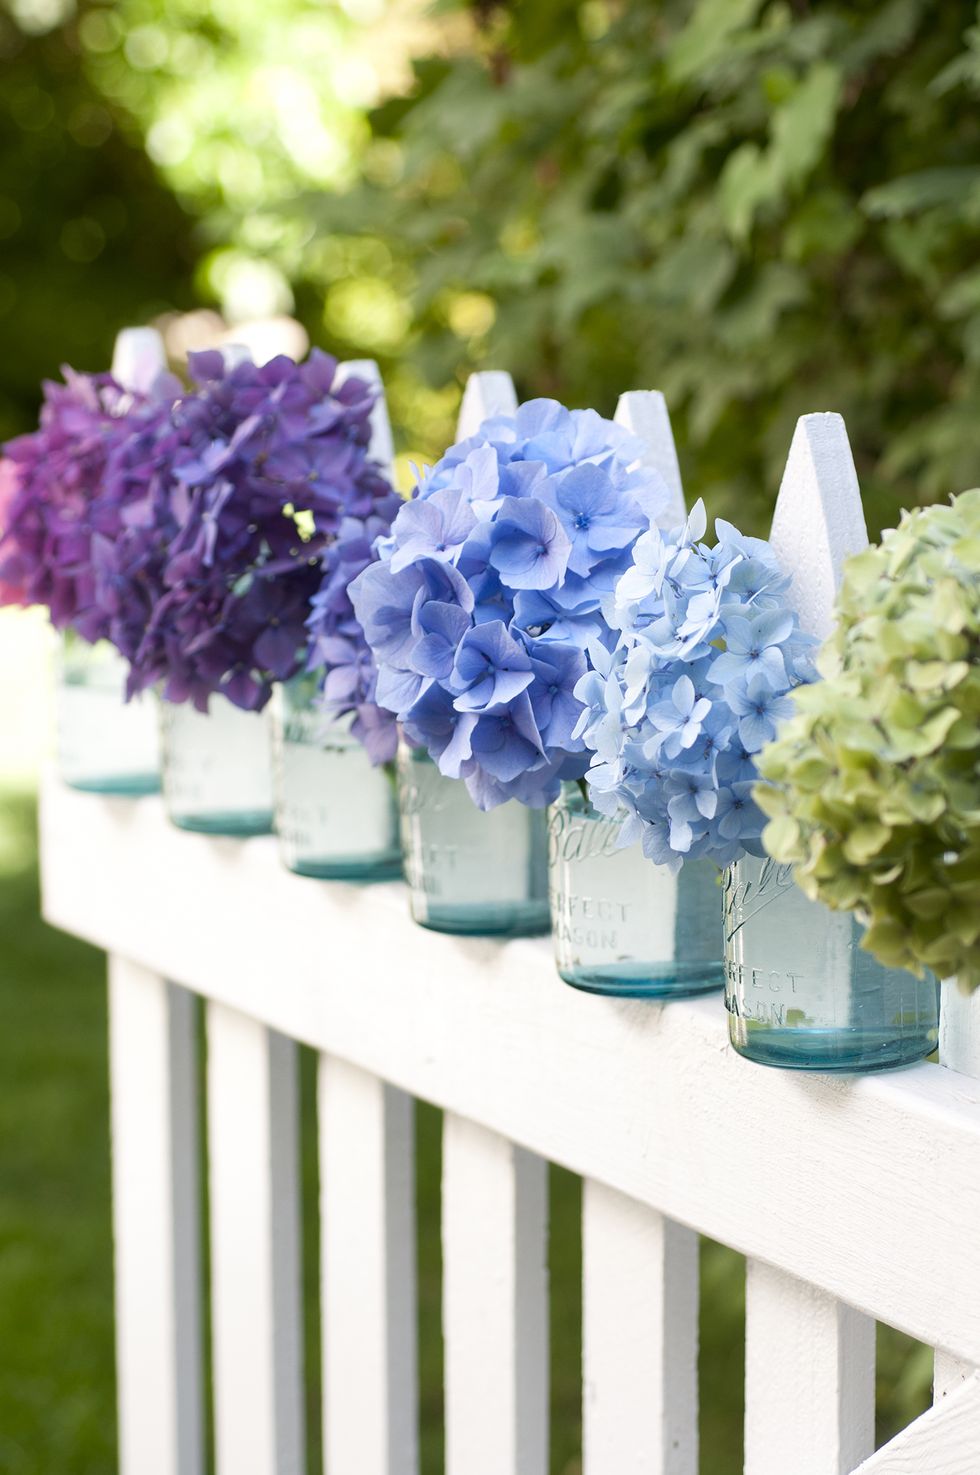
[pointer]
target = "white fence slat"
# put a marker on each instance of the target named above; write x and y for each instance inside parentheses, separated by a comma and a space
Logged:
(809, 1378)
(644, 412)
(495, 1303)
(138, 357)
(639, 1338)
(382, 445)
(367, 1226)
(255, 1247)
(819, 520)
(959, 1050)
(872, 1211)
(943, 1441)
(156, 1223)
(488, 393)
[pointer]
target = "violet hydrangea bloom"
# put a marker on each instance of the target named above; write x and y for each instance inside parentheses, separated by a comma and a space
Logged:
(706, 661)
(231, 499)
(337, 644)
(56, 511)
(487, 597)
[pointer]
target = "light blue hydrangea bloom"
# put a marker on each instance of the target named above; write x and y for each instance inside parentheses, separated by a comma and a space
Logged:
(488, 596)
(707, 655)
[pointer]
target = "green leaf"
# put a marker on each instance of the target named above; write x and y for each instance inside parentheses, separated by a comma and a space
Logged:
(803, 124)
(925, 190)
(707, 36)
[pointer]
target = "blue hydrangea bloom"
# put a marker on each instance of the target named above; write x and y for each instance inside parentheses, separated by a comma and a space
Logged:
(488, 597)
(707, 656)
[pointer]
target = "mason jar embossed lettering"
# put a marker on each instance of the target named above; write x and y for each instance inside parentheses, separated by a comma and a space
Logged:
(217, 768)
(800, 990)
(106, 745)
(336, 815)
(621, 924)
(469, 871)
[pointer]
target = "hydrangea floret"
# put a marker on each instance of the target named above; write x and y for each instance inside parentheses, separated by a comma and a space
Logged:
(675, 715)
(488, 594)
(231, 498)
(874, 785)
(337, 646)
(55, 509)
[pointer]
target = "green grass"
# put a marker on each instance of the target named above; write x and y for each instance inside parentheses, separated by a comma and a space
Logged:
(57, 1412)
(56, 1348)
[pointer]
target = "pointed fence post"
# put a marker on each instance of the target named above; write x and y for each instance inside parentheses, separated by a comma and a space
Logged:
(256, 1270)
(138, 357)
(155, 1166)
(959, 1049)
(494, 1232)
(382, 447)
(819, 519)
(156, 1222)
(644, 412)
(825, 1426)
(488, 393)
(367, 1223)
(639, 1269)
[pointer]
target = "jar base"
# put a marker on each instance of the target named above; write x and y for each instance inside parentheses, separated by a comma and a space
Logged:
(839, 1051)
(634, 981)
(124, 785)
(529, 919)
(237, 824)
(379, 868)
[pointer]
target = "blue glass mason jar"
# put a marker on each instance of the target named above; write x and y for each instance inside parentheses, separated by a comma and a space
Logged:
(105, 744)
(468, 871)
(622, 925)
(217, 768)
(802, 993)
(336, 815)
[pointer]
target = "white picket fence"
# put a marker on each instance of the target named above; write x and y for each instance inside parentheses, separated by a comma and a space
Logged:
(854, 1200)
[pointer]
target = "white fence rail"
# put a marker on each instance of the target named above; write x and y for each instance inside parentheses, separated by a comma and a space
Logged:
(855, 1200)
(864, 1192)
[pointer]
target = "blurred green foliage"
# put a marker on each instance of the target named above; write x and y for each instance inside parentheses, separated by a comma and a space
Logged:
(90, 237)
(763, 207)
(56, 1358)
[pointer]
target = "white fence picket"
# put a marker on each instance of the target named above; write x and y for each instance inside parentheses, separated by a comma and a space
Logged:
(156, 1223)
(382, 447)
(639, 1338)
(495, 1303)
(367, 1223)
(823, 1347)
(138, 358)
(809, 1378)
(943, 1441)
(255, 1247)
(488, 393)
(959, 1050)
(644, 412)
(819, 520)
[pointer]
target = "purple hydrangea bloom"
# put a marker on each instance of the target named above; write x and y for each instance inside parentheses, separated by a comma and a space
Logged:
(57, 514)
(489, 593)
(233, 497)
(336, 641)
(707, 657)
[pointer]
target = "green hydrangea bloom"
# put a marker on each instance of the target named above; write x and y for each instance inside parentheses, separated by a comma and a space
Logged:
(873, 788)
